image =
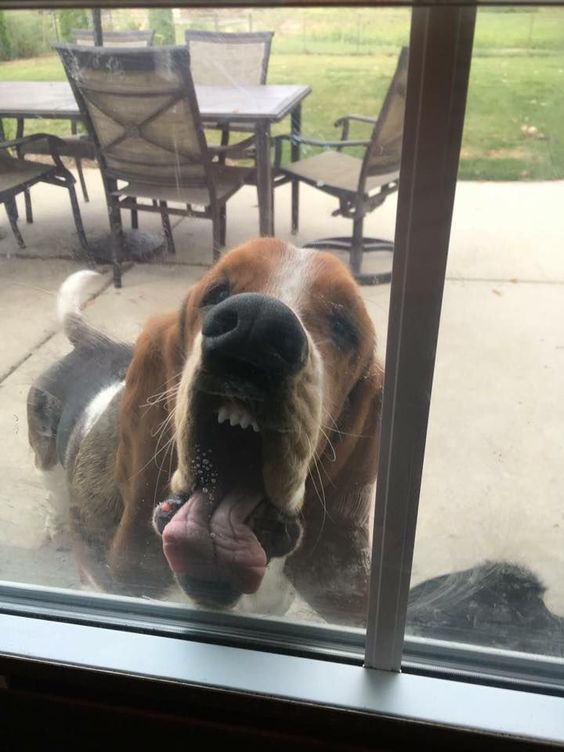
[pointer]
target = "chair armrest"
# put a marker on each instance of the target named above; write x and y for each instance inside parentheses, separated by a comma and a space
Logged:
(358, 118)
(53, 141)
(277, 142)
(345, 122)
(232, 150)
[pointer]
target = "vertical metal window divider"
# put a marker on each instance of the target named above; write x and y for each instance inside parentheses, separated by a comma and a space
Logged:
(439, 66)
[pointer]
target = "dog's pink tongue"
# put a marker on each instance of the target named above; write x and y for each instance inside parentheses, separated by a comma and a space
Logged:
(211, 542)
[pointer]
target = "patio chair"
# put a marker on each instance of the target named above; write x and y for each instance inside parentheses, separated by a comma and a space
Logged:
(141, 112)
(229, 59)
(18, 175)
(78, 146)
(128, 38)
(361, 184)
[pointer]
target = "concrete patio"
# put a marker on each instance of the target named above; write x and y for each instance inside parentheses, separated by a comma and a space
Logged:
(492, 485)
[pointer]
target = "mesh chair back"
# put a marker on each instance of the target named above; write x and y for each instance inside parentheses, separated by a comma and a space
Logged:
(6, 160)
(384, 153)
(221, 59)
(141, 111)
(6, 167)
(132, 38)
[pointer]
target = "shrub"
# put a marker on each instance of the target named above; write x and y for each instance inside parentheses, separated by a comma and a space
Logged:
(67, 20)
(5, 46)
(161, 20)
(27, 34)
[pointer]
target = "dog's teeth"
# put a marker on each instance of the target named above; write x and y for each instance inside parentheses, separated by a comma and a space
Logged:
(236, 417)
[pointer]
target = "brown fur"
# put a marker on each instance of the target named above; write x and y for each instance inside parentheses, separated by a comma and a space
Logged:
(331, 566)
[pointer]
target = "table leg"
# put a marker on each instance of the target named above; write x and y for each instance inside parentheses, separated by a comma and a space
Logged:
(264, 180)
(78, 162)
(19, 134)
(296, 128)
(14, 207)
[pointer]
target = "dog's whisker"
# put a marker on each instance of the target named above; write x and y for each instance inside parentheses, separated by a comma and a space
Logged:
(170, 444)
(159, 396)
(155, 399)
(335, 428)
(163, 425)
(320, 493)
(329, 444)
(159, 433)
(321, 498)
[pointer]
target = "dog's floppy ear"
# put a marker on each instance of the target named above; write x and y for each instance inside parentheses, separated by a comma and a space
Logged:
(146, 453)
(331, 567)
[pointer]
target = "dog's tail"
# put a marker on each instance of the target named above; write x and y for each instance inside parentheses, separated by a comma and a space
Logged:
(69, 300)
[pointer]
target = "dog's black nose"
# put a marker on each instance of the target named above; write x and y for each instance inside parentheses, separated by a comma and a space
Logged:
(257, 331)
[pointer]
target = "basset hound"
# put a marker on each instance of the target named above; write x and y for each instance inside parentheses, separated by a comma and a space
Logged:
(239, 434)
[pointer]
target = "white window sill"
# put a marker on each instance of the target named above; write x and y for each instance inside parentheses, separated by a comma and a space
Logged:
(442, 702)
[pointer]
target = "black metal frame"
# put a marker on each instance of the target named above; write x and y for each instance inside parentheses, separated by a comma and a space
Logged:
(139, 59)
(68, 147)
(111, 38)
(55, 175)
(227, 38)
(116, 38)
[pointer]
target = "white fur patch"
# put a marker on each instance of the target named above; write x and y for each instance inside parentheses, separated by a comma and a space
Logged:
(71, 292)
(275, 595)
(99, 404)
(57, 520)
(292, 279)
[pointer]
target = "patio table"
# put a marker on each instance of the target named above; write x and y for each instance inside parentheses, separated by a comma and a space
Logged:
(256, 105)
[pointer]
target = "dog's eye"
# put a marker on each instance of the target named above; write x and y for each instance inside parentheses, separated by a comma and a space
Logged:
(343, 328)
(218, 292)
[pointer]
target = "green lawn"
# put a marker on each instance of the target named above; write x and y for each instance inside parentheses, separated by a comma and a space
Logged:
(517, 80)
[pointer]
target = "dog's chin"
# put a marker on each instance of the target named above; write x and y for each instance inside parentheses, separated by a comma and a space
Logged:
(215, 585)
(221, 529)
(219, 548)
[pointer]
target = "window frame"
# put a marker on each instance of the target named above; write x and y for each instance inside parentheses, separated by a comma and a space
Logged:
(339, 680)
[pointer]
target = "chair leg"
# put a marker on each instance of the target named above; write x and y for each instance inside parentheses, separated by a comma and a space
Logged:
(78, 161)
(165, 219)
(356, 247)
(12, 212)
(20, 122)
(78, 222)
(134, 215)
(224, 142)
(118, 240)
(216, 233)
(295, 206)
(81, 179)
(28, 209)
(223, 225)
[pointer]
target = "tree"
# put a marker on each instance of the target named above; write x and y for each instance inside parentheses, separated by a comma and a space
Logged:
(67, 20)
(5, 46)
(162, 21)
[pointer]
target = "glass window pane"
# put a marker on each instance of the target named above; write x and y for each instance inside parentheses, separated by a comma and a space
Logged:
(228, 459)
(490, 540)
